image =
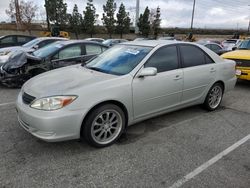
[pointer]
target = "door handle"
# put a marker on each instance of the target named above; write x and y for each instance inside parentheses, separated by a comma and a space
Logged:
(177, 77)
(212, 70)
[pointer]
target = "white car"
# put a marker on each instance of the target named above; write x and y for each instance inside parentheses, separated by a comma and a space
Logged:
(126, 84)
(229, 44)
(31, 46)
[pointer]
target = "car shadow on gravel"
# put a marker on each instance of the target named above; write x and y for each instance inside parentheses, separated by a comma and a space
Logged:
(143, 129)
(245, 84)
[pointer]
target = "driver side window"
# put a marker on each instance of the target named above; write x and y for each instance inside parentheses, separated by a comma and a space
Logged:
(69, 52)
(164, 59)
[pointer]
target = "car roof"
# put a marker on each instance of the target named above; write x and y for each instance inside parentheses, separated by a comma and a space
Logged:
(94, 38)
(152, 43)
(68, 42)
(28, 36)
(208, 42)
(56, 38)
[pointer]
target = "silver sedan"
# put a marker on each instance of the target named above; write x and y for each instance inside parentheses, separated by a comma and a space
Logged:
(124, 85)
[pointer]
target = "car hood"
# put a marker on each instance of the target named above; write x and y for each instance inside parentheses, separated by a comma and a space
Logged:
(5, 53)
(9, 49)
(237, 54)
(18, 59)
(64, 80)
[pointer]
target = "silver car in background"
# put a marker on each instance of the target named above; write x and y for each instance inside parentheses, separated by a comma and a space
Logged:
(29, 47)
(126, 84)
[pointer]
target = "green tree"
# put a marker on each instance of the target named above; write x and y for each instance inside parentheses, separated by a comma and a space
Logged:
(56, 12)
(108, 16)
(156, 22)
(75, 20)
(144, 23)
(123, 20)
(89, 18)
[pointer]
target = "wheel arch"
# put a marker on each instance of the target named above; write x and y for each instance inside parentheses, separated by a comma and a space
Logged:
(115, 102)
(222, 83)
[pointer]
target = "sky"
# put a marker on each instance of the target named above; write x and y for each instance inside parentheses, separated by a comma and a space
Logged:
(231, 14)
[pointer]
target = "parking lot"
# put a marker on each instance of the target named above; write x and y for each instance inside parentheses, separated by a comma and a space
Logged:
(161, 152)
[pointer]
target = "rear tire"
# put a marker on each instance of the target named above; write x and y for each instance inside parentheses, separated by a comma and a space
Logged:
(214, 97)
(104, 125)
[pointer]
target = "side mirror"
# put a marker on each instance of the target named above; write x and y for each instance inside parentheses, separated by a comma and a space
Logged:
(234, 48)
(36, 47)
(149, 71)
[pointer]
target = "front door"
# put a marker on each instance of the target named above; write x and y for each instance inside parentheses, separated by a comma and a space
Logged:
(154, 94)
(69, 55)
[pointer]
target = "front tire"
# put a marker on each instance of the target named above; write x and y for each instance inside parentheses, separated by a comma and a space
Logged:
(104, 125)
(214, 97)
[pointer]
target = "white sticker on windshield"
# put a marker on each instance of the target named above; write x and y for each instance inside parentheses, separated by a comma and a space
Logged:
(132, 51)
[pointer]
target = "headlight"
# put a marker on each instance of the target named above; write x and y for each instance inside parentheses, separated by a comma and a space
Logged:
(52, 103)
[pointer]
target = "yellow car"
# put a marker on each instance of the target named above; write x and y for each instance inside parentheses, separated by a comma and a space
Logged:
(242, 58)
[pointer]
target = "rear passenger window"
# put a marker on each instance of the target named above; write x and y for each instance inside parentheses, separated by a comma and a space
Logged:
(215, 47)
(165, 59)
(93, 49)
(208, 60)
(70, 52)
(209, 46)
(192, 56)
(23, 39)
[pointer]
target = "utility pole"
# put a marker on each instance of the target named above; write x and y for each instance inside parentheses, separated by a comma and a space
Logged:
(249, 22)
(18, 16)
(192, 21)
(137, 16)
(248, 26)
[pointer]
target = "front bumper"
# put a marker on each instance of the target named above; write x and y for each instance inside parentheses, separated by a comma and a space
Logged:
(12, 80)
(6, 77)
(51, 126)
(245, 73)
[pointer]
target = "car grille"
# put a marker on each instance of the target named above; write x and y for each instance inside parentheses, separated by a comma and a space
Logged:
(27, 99)
(242, 62)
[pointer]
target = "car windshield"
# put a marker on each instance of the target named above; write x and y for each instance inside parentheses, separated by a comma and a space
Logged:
(245, 45)
(48, 50)
(119, 60)
(31, 43)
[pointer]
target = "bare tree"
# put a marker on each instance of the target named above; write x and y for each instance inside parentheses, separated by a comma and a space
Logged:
(23, 12)
(28, 13)
(11, 11)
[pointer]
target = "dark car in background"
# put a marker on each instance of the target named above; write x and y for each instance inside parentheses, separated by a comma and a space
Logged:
(23, 66)
(14, 40)
(112, 42)
(31, 46)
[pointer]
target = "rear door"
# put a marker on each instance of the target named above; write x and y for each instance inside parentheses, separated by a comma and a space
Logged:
(199, 72)
(69, 55)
